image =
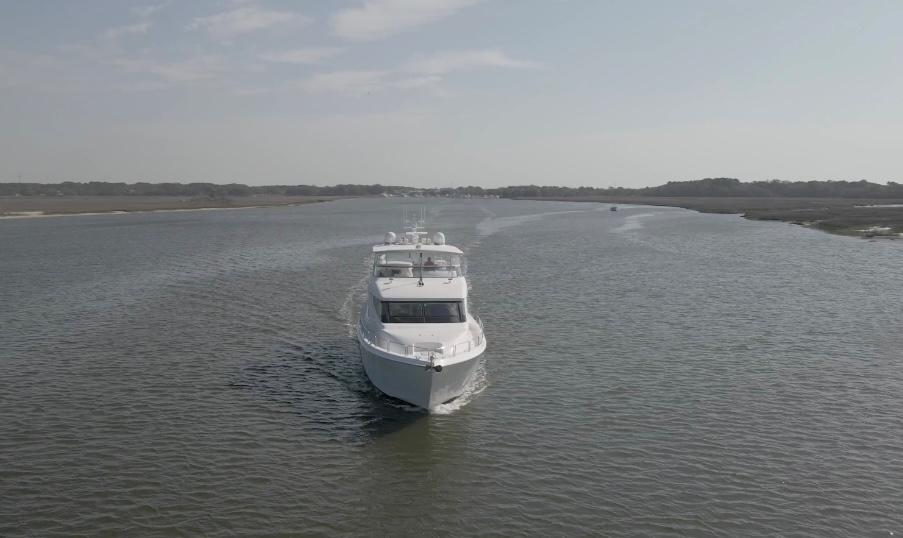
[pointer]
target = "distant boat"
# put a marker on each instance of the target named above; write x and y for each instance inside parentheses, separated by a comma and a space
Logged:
(878, 231)
(614, 208)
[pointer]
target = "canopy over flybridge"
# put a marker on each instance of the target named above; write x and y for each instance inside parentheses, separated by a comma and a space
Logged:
(416, 247)
(433, 289)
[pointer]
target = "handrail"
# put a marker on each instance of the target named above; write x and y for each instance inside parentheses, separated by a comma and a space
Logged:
(420, 351)
(389, 270)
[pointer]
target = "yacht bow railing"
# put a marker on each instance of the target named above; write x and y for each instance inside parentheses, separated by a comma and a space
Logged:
(421, 350)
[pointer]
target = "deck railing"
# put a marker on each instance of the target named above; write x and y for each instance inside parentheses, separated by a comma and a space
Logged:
(416, 271)
(421, 350)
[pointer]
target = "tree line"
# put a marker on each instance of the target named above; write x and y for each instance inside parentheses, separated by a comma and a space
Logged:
(207, 190)
(712, 187)
(697, 188)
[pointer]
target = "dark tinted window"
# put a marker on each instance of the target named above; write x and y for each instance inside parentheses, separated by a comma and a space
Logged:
(413, 312)
(404, 312)
(442, 312)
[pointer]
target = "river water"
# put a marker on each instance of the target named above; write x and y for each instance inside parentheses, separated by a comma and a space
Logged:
(650, 371)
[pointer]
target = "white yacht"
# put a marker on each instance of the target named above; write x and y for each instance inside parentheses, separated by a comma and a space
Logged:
(419, 341)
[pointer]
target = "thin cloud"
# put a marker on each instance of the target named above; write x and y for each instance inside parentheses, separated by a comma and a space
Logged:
(346, 82)
(356, 83)
(446, 62)
(252, 92)
(426, 73)
(431, 84)
(300, 56)
(195, 69)
(244, 20)
(377, 19)
(418, 82)
(145, 12)
(192, 70)
(138, 28)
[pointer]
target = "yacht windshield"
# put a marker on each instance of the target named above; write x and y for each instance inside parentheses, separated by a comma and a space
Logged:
(426, 312)
(411, 264)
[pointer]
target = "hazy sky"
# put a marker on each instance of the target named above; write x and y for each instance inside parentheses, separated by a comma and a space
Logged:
(450, 92)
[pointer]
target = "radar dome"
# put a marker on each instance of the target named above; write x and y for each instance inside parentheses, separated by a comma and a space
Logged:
(390, 237)
(438, 238)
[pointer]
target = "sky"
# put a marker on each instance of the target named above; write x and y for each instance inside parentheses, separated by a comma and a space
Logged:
(450, 92)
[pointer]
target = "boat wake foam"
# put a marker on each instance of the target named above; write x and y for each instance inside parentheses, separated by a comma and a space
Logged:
(633, 222)
(357, 293)
(477, 384)
(492, 224)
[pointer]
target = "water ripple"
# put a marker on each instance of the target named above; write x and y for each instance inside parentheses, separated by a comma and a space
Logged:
(700, 375)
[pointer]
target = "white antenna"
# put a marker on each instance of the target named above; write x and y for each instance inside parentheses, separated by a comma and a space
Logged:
(414, 224)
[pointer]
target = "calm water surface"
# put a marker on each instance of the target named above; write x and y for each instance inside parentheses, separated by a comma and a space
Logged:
(651, 371)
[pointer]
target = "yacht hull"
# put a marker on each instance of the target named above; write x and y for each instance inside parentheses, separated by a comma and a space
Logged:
(414, 383)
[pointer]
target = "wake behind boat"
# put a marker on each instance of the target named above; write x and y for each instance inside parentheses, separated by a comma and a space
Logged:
(419, 341)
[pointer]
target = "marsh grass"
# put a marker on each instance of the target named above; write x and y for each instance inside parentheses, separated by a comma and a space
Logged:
(845, 216)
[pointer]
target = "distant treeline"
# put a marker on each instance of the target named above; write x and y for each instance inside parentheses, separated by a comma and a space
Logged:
(209, 190)
(697, 188)
(721, 187)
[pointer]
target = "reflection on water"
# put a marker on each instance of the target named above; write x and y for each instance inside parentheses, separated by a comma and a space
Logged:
(323, 385)
(649, 372)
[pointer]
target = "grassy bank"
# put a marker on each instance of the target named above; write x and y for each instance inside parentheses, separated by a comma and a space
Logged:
(70, 205)
(845, 216)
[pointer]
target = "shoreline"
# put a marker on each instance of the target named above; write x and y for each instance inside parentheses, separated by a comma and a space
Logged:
(29, 207)
(840, 216)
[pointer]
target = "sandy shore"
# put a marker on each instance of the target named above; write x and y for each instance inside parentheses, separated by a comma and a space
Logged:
(845, 216)
(46, 206)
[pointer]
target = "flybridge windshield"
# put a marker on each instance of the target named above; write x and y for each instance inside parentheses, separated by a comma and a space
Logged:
(414, 264)
(428, 312)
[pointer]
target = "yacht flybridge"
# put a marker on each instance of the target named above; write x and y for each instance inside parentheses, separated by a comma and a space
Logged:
(419, 341)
